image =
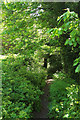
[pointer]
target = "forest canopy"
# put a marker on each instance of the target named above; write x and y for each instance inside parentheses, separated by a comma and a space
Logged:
(25, 27)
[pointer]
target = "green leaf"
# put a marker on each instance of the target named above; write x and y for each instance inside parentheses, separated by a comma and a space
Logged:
(59, 18)
(77, 69)
(66, 116)
(49, 30)
(67, 42)
(70, 42)
(73, 33)
(75, 43)
(73, 39)
(75, 63)
(78, 40)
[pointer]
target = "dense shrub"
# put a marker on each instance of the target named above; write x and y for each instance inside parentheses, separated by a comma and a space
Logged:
(21, 89)
(64, 99)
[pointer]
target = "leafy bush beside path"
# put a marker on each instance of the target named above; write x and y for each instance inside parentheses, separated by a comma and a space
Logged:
(21, 89)
(64, 98)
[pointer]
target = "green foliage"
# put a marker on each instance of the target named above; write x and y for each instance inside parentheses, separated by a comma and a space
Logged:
(21, 22)
(24, 33)
(76, 62)
(68, 25)
(21, 88)
(19, 31)
(64, 98)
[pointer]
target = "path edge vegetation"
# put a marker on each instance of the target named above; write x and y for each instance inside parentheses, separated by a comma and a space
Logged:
(64, 91)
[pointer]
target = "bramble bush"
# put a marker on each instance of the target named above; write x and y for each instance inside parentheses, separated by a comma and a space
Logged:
(21, 88)
(64, 98)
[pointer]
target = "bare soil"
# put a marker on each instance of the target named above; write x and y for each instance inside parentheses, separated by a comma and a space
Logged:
(44, 102)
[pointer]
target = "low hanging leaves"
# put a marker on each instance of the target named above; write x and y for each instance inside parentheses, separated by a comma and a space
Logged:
(70, 26)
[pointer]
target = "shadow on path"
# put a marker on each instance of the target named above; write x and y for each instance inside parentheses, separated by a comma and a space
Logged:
(44, 102)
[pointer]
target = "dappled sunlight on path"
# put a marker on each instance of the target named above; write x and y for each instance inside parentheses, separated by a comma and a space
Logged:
(49, 81)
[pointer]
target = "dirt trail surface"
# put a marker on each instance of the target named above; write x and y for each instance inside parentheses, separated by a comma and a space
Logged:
(44, 102)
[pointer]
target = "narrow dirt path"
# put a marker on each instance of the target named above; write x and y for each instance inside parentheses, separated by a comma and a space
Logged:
(44, 102)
